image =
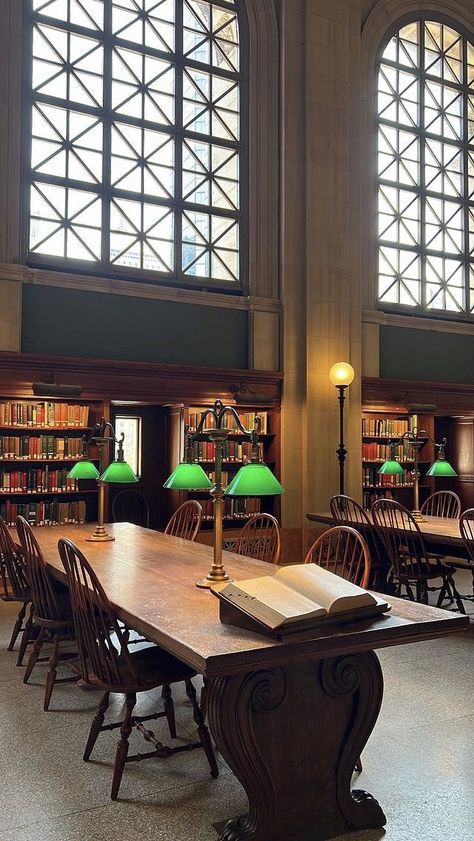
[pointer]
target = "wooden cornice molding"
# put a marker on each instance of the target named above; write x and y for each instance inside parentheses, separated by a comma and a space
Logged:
(396, 395)
(436, 325)
(144, 382)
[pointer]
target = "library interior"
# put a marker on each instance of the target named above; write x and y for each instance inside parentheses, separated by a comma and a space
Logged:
(237, 420)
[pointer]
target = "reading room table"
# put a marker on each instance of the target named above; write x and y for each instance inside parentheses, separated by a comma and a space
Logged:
(291, 717)
(440, 533)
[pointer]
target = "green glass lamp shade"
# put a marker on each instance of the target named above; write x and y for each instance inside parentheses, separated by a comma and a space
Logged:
(441, 467)
(83, 470)
(254, 479)
(188, 477)
(391, 467)
(120, 472)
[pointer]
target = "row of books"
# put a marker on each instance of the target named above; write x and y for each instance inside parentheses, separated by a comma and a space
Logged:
(43, 413)
(39, 446)
(233, 451)
(234, 508)
(247, 419)
(382, 452)
(44, 513)
(384, 426)
(371, 477)
(36, 480)
(369, 497)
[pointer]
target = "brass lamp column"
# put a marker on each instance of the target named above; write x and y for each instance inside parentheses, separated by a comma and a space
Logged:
(117, 472)
(253, 479)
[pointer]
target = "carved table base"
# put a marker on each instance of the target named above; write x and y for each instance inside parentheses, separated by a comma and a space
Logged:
(292, 736)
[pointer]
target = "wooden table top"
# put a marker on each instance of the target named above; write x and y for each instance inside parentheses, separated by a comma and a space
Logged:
(442, 530)
(150, 578)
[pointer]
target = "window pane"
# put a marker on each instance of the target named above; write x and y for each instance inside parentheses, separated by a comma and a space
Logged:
(426, 169)
(123, 174)
(131, 428)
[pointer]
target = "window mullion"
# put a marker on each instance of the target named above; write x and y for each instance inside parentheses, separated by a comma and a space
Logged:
(179, 140)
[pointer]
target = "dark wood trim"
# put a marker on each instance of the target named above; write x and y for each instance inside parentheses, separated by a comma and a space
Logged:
(396, 395)
(143, 382)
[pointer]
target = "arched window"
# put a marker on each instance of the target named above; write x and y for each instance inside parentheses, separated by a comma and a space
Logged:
(134, 166)
(426, 170)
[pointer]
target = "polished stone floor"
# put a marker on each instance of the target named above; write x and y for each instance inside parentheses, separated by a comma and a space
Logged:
(419, 762)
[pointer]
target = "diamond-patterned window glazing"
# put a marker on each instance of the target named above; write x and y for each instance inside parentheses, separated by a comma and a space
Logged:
(425, 111)
(134, 166)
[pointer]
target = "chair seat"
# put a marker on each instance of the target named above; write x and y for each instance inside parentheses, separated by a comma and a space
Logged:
(154, 666)
(458, 563)
(437, 571)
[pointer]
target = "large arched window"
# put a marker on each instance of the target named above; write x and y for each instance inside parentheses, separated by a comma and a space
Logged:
(426, 170)
(133, 115)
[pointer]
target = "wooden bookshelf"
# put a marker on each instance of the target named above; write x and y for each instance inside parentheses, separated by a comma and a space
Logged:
(379, 430)
(39, 442)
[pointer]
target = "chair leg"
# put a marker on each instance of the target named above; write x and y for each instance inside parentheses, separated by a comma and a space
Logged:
(51, 675)
(122, 747)
(202, 729)
(96, 725)
(169, 708)
(25, 636)
(203, 698)
(456, 595)
(34, 656)
(358, 766)
(17, 627)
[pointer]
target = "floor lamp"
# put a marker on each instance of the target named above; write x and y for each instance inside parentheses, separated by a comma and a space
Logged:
(341, 375)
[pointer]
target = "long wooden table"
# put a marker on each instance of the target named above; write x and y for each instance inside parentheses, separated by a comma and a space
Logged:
(438, 532)
(290, 718)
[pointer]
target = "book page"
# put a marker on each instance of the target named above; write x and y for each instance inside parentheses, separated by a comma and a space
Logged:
(334, 593)
(271, 601)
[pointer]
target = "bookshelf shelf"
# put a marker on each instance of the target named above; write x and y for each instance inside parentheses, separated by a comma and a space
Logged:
(39, 441)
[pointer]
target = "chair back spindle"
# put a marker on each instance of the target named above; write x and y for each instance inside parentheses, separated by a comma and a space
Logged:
(466, 527)
(186, 520)
(13, 569)
(103, 651)
(260, 538)
(402, 539)
(47, 602)
(343, 551)
(442, 504)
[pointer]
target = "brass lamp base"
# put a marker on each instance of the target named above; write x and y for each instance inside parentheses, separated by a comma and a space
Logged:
(100, 535)
(208, 582)
(418, 516)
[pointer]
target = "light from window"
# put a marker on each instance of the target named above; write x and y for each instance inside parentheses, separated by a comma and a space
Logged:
(136, 137)
(132, 445)
(426, 170)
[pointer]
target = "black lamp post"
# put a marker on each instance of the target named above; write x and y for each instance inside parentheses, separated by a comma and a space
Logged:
(341, 375)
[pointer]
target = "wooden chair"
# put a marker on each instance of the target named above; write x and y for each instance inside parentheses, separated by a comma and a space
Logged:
(466, 527)
(186, 520)
(260, 538)
(342, 550)
(413, 566)
(107, 664)
(51, 609)
(346, 511)
(442, 504)
(131, 506)
(15, 588)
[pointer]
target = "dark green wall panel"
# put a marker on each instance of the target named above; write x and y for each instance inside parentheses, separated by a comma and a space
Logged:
(64, 322)
(409, 354)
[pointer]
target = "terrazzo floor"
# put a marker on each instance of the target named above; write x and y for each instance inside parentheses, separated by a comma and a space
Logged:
(419, 762)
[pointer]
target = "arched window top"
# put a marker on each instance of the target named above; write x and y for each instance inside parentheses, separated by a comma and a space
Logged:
(137, 138)
(425, 175)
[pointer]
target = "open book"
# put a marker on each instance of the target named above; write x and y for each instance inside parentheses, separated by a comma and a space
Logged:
(295, 598)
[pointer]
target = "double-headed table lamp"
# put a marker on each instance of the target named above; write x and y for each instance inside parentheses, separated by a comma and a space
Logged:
(253, 478)
(118, 471)
(440, 467)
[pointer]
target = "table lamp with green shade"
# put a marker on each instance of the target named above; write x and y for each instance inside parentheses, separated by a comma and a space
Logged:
(440, 467)
(253, 479)
(118, 471)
